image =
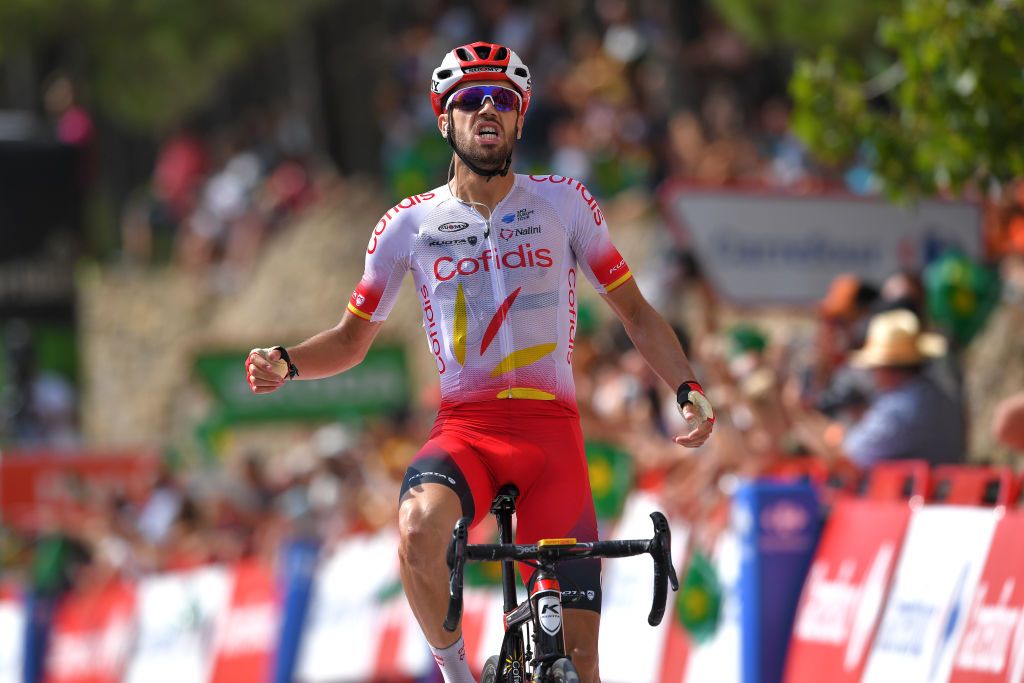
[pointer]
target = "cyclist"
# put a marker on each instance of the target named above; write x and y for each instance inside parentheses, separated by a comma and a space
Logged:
(496, 259)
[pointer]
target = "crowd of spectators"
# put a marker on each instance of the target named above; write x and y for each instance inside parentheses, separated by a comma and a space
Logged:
(217, 193)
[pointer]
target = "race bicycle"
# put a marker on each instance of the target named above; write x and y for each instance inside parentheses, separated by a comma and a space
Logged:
(545, 651)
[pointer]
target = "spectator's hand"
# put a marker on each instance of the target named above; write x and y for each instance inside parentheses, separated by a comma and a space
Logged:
(700, 427)
(265, 370)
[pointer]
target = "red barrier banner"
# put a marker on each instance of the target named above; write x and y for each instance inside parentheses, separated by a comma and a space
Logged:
(992, 646)
(92, 636)
(845, 591)
(33, 483)
(246, 638)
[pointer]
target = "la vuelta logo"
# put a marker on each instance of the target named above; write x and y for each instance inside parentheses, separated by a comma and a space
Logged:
(840, 611)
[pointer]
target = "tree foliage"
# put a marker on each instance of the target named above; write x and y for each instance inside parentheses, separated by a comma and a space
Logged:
(803, 25)
(943, 115)
(147, 62)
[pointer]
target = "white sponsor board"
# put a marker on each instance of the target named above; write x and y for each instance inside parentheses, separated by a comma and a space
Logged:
(759, 248)
(632, 651)
(178, 616)
(718, 659)
(12, 630)
(342, 630)
(938, 571)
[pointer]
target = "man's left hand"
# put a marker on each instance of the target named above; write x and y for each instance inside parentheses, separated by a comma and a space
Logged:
(701, 428)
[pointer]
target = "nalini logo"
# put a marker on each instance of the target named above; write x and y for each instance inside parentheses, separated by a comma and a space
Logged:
(509, 233)
(508, 218)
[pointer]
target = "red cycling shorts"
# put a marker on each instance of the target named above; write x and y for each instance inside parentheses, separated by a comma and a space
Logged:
(475, 448)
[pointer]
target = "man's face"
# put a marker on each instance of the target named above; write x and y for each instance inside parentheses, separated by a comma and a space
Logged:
(485, 135)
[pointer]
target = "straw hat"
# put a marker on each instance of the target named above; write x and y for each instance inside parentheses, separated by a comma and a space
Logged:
(895, 339)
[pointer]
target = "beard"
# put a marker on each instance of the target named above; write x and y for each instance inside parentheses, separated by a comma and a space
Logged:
(490, 158)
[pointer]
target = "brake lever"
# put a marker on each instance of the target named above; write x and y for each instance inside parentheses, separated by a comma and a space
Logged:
(456, 559)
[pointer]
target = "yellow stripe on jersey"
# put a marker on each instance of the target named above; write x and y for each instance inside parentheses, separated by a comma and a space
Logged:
(618, 282)
(356, 311)
(459, 326)
(526, 392)
(522, 358)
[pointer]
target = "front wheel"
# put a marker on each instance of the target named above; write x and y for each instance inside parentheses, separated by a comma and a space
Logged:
(490, 672)
(562, 671)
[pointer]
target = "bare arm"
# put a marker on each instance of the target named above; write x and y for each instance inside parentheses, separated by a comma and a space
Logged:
(658, 344)
(322, 355)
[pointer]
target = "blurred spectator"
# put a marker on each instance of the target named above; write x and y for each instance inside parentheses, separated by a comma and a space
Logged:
(910, 417)
(1008, 426)
(73, 125)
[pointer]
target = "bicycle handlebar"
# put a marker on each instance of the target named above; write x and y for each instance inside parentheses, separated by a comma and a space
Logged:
(659, 547)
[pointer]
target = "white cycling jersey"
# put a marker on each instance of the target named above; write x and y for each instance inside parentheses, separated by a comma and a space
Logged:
(498, 294)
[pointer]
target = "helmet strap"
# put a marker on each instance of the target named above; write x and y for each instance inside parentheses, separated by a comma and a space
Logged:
(503, 171)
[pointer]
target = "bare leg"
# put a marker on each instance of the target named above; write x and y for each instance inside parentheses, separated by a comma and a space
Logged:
(425, 520)
(581, 631)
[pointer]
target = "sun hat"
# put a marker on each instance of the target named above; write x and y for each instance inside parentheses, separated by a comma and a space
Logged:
(895, 339)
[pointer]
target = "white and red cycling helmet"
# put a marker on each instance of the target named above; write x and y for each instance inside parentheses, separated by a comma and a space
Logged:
(479, 61)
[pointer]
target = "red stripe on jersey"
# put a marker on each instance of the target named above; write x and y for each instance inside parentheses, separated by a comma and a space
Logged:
(609, 267)
(499, 317)
(365, 299)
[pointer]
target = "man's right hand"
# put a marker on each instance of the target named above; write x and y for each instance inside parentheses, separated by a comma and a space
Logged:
(265, 371)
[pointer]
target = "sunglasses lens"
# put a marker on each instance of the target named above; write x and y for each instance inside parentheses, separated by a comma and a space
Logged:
(505, 99)
(469, 99)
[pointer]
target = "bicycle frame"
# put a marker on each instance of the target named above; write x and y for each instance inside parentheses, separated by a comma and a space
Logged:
(543, 608)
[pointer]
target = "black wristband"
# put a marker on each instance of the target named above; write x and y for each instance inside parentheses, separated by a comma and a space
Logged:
(292, 370)
(683, 392)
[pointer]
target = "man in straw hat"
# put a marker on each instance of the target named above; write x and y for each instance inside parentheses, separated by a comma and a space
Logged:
(910, 417)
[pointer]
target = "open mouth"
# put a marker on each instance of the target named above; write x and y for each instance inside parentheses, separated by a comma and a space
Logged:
(488, 133)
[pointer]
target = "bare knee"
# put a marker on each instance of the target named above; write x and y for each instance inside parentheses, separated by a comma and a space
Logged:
(424, 526)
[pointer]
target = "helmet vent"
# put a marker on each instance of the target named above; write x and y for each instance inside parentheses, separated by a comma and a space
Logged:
(441, 75)
(502, 53)
(464, 54)
(482, 51)
(521, 72)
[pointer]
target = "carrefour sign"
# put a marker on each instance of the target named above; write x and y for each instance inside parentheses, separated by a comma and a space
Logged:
(764, 248)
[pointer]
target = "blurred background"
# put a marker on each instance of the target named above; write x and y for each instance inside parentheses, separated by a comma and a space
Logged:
(180, 182)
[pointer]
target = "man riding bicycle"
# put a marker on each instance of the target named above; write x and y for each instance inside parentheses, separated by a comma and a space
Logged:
(496, 259)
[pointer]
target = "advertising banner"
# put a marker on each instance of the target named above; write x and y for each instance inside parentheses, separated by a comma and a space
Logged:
(12, 634)
(178, 615)
(845, 591)
(343, 624)
(992, 647)
(92, 636)
(246, 637)
(632, 651)
(762, 248)
(56, 482)
(935, 581)
(717, 660)
(779, 525)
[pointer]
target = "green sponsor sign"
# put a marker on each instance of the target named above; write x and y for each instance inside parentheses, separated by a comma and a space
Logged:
(380, 384)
